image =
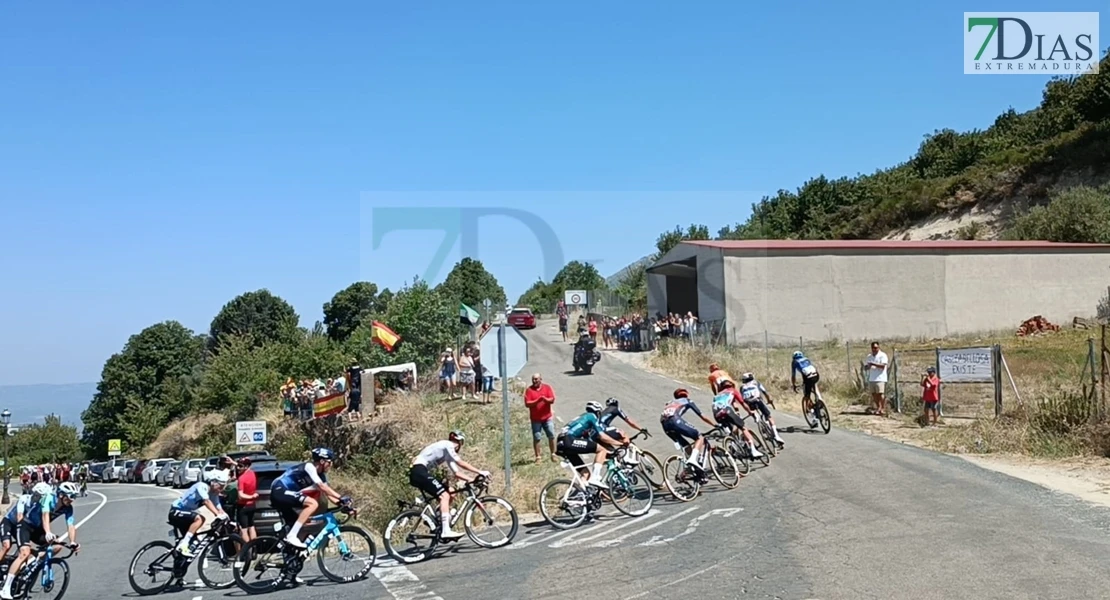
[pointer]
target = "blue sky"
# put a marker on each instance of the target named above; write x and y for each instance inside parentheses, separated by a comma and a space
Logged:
(157, 160)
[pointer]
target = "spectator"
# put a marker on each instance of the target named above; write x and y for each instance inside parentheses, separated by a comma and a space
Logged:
(539, 397)
(563, 324)
(247, 494)
(466, 374)
(876, 364)
(930, 395)
(593, 330)
(447, 368)
(481, 373)
(354, 396)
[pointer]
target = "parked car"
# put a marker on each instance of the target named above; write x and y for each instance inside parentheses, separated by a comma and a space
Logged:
(150, 470)
(265, 516)
(112, 470)
(96, 471)
(188, 472)
(135, 473)
(126, 470)
(165, 474)
(522, 318)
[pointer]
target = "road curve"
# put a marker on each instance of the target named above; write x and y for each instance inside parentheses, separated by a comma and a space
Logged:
(838, 516)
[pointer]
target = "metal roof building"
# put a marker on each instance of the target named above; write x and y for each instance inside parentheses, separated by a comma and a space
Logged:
(857, 289)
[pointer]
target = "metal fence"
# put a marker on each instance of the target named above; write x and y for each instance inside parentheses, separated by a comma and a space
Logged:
(607, 302)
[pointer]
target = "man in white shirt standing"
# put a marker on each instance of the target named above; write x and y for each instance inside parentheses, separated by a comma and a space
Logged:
(877, 363)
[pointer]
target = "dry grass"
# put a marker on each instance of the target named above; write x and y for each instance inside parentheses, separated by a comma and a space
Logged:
(1051, 419)
(191, 436)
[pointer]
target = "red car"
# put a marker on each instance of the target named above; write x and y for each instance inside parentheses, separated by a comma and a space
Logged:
(522, 318)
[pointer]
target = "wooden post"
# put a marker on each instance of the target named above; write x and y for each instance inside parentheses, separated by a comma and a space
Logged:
(1104, 374)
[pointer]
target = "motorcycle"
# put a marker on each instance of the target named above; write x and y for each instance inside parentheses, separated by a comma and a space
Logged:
(585, 357)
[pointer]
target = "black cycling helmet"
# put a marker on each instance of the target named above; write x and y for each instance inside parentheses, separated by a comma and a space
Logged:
(612, 402)
(323, 454)
(457, 436)
(681, 393)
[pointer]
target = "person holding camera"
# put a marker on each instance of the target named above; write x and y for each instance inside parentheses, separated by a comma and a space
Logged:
(930, 394)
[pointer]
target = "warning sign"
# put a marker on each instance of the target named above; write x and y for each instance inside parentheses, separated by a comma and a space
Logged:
(249, 433)
(114, 447)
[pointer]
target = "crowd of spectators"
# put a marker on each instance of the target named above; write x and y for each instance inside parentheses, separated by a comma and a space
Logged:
(298, 398)
(464, 376)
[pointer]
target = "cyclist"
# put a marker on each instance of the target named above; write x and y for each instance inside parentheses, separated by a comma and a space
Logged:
(287, 493)
(610, 413)
(83, 478)
(810, 377)
(183, 512)
(716, 375)
(724, 412)
(18, 510)
(34, 528)
(421, 478)
(678, 429)
(582, 436)
(753, 393)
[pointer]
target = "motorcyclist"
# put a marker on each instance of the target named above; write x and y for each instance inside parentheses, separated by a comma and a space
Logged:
(584, 346)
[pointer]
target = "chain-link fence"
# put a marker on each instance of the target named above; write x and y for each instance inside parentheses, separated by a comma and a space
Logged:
(607, 302)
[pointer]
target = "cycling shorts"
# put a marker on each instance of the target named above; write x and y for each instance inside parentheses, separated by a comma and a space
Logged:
(7, 530)
(759, 405)
(27, 534)
(244, 515)
(182, 519)
(809, 384)
(421, 478)
(678, 429)
(287, 502)
(571, 448)
(727, 416)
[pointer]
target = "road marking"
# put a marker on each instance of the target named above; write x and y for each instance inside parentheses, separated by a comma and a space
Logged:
(103, 501)
(539, 539)
(618, 540)
(651, 513)
(401, 583)
(693, 526)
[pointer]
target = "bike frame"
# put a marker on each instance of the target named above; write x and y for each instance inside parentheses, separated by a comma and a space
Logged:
(331, 530)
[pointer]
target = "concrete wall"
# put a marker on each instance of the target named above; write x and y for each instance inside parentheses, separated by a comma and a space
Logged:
(710, 282)
(862, 295)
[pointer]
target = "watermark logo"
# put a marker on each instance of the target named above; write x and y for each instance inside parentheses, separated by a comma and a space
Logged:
(1031, 43)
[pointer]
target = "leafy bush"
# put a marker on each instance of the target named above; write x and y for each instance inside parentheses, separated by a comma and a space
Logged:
(1079, 214)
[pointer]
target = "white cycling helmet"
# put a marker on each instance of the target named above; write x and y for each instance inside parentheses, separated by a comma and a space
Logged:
(594, 407)
(42, 489)
(219, 476)
(69, 489)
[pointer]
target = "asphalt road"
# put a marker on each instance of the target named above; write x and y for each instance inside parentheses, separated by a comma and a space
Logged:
(838, 516)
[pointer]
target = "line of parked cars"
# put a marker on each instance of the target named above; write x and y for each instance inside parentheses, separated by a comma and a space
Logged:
(168, 472)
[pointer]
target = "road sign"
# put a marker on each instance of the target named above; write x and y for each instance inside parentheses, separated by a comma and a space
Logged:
(114, 447)
(516, 356)
(574, 297)
(249, 433)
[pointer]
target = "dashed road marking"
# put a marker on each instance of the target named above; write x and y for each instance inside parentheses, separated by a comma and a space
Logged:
(693, 526)
(401, 583)
(583, 537)
(618, 540)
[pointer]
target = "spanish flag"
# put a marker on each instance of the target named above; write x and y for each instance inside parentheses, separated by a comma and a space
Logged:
(384, 336)
(329, 405)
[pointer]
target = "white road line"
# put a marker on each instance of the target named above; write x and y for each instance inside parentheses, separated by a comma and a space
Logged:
(615, 541)
(651, 513)
(539, 539)
(103, 501)
(692, 527)
(401, 583)
(567, 540)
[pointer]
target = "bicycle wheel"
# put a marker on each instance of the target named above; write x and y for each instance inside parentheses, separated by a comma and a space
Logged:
(740, 454)
(259, 558)
(724, 468)
(761, 445)
(491, 522)
(144, 579)
(216, 565)
(563, 505)
(680, 482)
(769, 438)
(807, 413)
(630, 492)
(404, 535)
(823, 416)
(52, 583)
(652, 469)
(353, 547)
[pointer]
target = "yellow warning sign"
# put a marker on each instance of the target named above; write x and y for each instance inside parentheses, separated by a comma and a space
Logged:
(114, 447)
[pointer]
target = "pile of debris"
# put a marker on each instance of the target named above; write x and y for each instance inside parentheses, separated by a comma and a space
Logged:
(1036, 325)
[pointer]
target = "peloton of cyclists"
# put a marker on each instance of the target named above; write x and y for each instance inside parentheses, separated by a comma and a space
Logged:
(34, 528)
(726, 401)
(586, 435)
(678, 429)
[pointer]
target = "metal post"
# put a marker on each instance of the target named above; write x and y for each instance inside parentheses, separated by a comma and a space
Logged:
(940, 401)
(997, 380)
(767, 350)
(848, 356)
(7, 468)
(892, 378)
(801, 344)
(503, 359)
(1092, 398)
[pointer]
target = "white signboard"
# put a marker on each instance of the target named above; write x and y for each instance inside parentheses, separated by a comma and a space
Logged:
(966, 365)
(516, 351)
(575, 297)
(249, 433)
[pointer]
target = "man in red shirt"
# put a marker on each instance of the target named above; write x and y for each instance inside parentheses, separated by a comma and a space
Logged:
(248, 494)
(930, 394)
(539, 397)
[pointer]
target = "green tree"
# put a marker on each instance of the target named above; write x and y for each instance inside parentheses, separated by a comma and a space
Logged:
(353, 306)
(239, 373)
(669, 239)
(471, 284)
(577, 276)
(259, 314)
(146, 377)
(48, 442)
(541, 296)
(1080, 214)
(425, 320)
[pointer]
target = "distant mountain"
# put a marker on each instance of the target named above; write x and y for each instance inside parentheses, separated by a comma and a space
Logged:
(32, 403)
(615, 278)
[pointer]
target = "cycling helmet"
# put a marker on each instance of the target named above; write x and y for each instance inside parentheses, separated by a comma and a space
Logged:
(681, 393)
(42, 489)
(457, 436)
(323, 454)
(747, 377)
(612, 402)
(594, 407)
(798, 354)
(68, 489)
(219, 476)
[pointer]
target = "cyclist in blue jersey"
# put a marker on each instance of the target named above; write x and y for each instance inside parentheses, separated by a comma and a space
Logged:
(582, 436)
(611, 412)
(34, 528)
(21, 506)
(287, 493)
(678, 429)
(183, 512)
(802, 365)
(754, 395)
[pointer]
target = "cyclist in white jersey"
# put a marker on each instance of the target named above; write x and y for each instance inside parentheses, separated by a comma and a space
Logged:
(753, 393)
(421, 478)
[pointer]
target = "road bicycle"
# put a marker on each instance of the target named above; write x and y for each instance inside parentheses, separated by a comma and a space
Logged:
(578, 500)
(766, 435)
(647, 463)
(815, 412)
(419, 522)
(685, 481)
(213, 551)
(272, 555)
(42, 573)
